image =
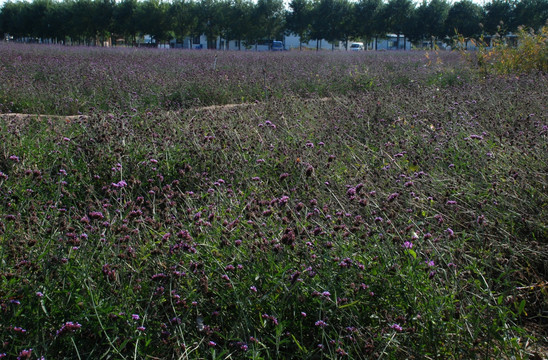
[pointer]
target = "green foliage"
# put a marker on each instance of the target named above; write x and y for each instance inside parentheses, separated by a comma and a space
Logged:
(527, 53)
(397, 218)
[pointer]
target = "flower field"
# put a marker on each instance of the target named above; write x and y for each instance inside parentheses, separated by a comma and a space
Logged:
(350, 205)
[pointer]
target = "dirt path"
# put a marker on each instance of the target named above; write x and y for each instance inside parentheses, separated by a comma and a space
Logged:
(69, 118)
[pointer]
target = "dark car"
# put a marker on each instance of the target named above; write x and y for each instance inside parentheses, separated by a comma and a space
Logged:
(277, 46)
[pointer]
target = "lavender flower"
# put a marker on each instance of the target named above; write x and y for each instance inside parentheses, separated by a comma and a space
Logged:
(320, 323)
(68, 327)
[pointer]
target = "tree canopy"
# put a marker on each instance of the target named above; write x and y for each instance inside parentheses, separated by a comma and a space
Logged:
(93, 21)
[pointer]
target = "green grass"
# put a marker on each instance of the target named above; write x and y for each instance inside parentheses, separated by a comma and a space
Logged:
(283, 229)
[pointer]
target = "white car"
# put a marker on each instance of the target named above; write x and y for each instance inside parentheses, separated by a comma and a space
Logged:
(356, 46)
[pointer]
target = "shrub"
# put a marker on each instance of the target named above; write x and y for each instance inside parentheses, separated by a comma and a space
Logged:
(530, 54)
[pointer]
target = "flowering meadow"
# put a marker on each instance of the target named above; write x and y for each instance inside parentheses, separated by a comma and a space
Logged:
(350, 205)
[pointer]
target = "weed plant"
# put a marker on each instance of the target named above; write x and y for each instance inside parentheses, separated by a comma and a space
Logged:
(405, 219)
(73, 80)
(528, 54)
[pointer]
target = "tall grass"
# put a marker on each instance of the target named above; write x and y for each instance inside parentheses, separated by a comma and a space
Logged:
(405, 219)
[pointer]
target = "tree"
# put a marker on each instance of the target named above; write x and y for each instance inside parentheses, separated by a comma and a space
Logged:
(80, 23)
(430, 20)
(125, 20)
(224, 15)
(344, 19)
(497, 17)
(464, 18)
(368, 22)
(322, 21)
(154, 20)
(208, 21)
(102, 19)
(56, 17)
(184, 23)
(241, 20)
(397, 15)
(298, 19)
(16, 19)
(269, 17)
(531, 13)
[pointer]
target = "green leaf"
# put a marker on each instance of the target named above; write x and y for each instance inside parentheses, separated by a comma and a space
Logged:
(298, 344)
(521, 307)
(350, 304)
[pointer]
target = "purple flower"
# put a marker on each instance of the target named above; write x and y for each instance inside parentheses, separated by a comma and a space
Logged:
(407, 245)
(24, 354)
(119, 184)
(396, 327)
(321, 324)
(351, 191)
(135, 317)
(69, 326)
(159, 276)
(141, 328)
(283, 200)
(96, 215)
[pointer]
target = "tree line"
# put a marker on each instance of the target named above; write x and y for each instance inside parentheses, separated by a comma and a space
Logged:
(94, 21)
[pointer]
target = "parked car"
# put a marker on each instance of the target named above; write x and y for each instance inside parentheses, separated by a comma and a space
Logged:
(277, 46)
(356, 46)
